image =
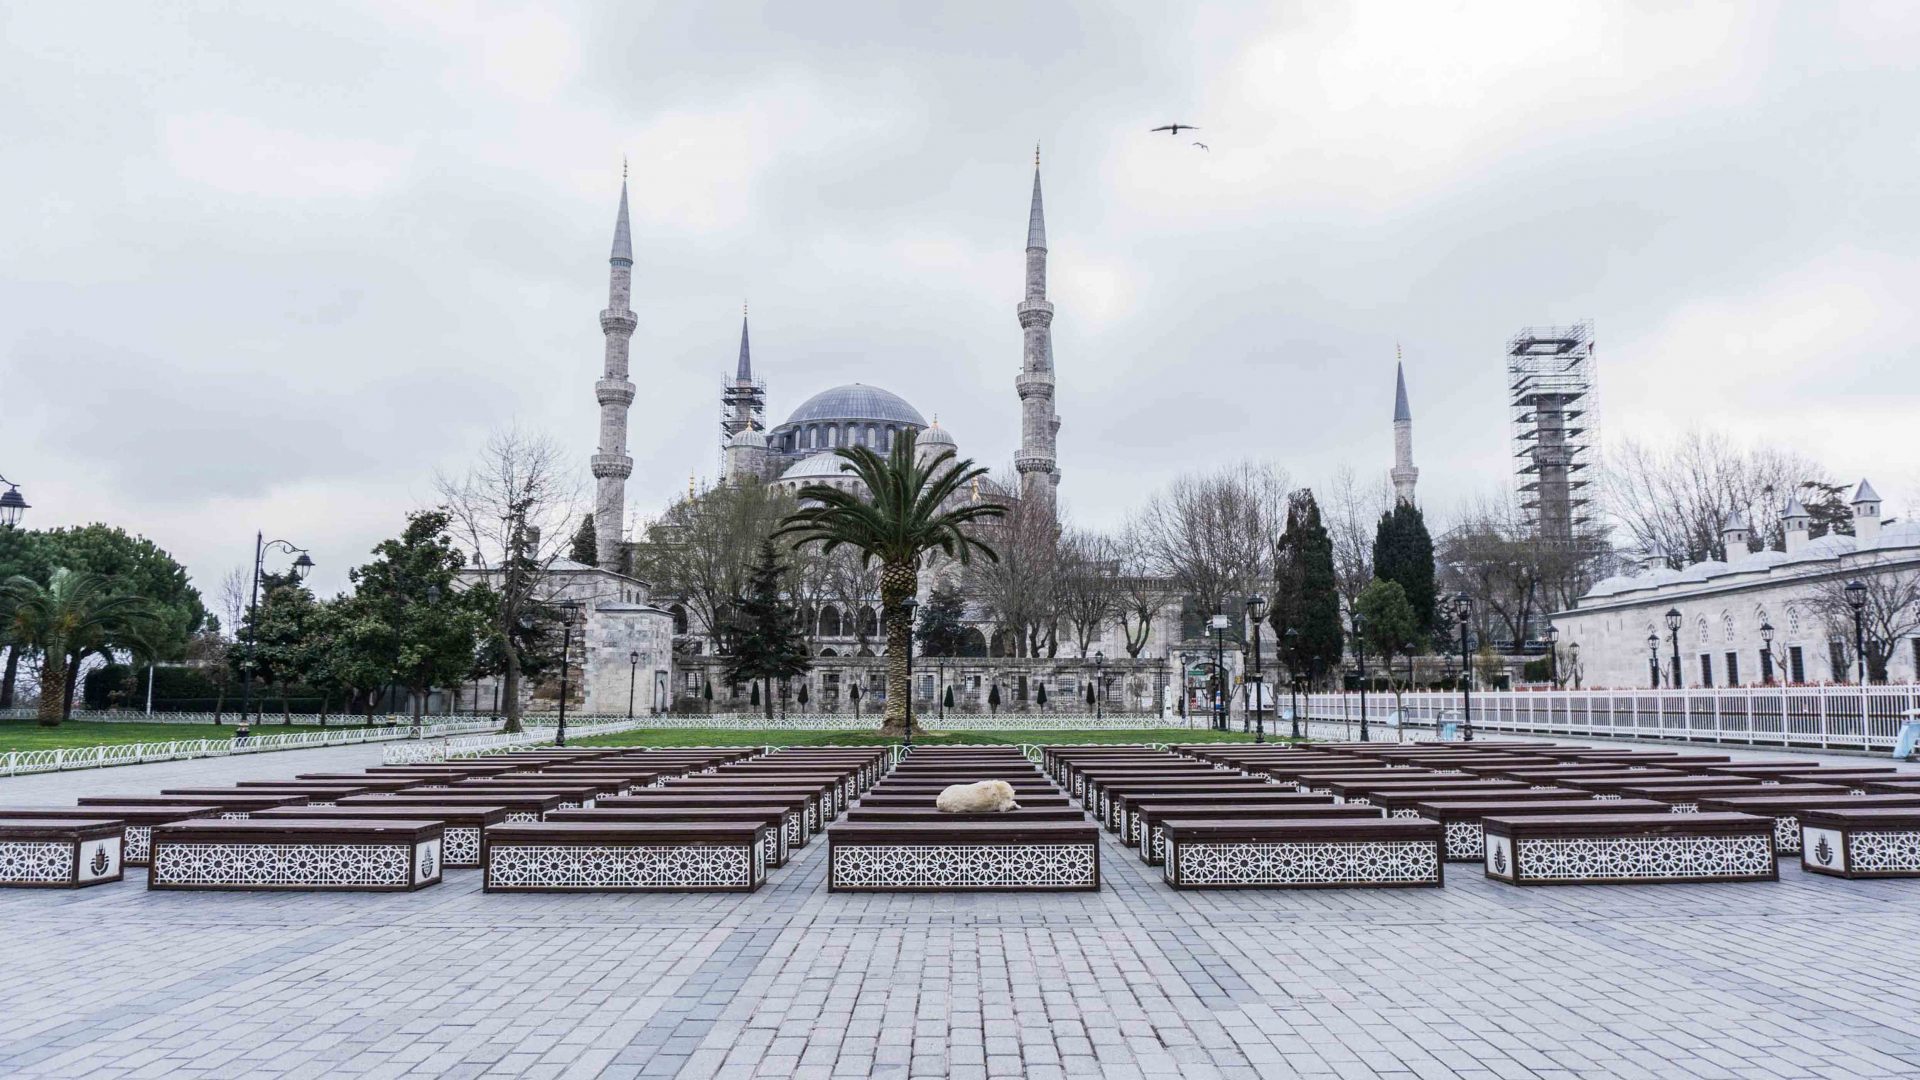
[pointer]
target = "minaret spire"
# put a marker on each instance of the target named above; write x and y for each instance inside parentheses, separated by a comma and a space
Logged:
(743, 402)
(1404, 475)
(1039, 425)
(610, 463)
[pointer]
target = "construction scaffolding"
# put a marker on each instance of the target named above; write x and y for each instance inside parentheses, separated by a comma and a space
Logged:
(743, 405)
(1554, 401)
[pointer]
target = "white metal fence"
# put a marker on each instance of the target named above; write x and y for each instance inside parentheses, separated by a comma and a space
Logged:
(1811, 717)
(470, 746)
(20, 762)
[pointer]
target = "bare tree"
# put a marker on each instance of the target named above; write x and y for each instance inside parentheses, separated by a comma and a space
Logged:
(234, 588)
(1675, 499)
(1352, 512)
(855, 589)
(1089, 585)
(1514, 575)
(1889, 612)
(1142, 595)
(702, 550)
(513, 515)
(1212, 535)
(1020, 591)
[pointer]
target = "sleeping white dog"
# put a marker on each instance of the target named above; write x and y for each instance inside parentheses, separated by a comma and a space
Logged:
(985, 797)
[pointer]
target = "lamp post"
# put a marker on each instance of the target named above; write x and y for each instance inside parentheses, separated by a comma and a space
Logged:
(1256, 613)
(11, 504)
(942, 691)
(908, 607)
(1360, 647)
(302, 566)
(1653, 660)
(1292, 639)
(1573, 654)
(1219, 674)
(1463, 611)
(1857, 599)
(1766, 653)
(1553, 655)
(633, 674)
(1673, 634)
(1100, 685)
(569, 611)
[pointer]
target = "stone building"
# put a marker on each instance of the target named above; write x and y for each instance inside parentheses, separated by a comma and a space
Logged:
(1723, 607)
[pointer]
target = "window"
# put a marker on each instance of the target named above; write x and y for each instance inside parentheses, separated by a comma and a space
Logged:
(1706, 669)
(1726, 623)
(1733, 669)
(1703, 632)
(1796, 665)
(1793, 622)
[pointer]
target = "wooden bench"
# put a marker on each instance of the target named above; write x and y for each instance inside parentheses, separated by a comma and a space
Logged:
(879, 798)
(773, 817)
(296, 853)
(572, 796)
(1153, 813)
(139, 821)
(1300, 853)
(1460, 816)
(320, 794)
(60, 853)
(1607, 849)
(963, 856)
(1367, 791)
(1101, 801)
(1685, 798)
(1122, 817)
(461, 827)
(821, 805)
(1880, 842)
(1785, 809)
(520, 806)
(928, 813)
(231, 803)
(576, 856)
(795, 806)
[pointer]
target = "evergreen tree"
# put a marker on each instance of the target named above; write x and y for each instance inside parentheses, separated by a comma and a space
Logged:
(1388, 625)
(942, 629)
(767, 640)
(1403, 554)
(1306, 594)
(586, 546)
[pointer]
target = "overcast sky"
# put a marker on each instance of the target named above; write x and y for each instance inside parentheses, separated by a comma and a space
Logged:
(274, 269)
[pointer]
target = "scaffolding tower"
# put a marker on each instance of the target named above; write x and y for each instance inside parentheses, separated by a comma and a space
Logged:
(743, 405)
(1551, 393)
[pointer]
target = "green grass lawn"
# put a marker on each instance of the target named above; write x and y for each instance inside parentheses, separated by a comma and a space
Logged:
(29, 735)
(730, 737)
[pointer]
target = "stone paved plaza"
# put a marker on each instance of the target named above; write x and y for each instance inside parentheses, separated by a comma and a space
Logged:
(1809, 977)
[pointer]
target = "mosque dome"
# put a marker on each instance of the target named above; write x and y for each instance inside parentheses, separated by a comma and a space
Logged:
(817, 467)
(936, 437)
(747, 437)
(857, 401)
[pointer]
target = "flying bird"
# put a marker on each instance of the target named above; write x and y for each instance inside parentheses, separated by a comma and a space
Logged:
(1204, 146)
(1176, 129)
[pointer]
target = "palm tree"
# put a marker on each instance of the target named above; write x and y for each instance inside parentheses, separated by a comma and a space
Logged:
(72, 616)
(902, 518)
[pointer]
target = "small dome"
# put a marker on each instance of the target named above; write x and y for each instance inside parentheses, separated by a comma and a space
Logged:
(816, 467)
(748, 437)
(857, 401)
(935, 436)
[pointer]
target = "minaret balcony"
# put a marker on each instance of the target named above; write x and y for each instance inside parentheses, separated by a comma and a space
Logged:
(619, 466)
(1032, 463)
(613, 392)
(1035, 311)
(1030, 383)
(622, 322)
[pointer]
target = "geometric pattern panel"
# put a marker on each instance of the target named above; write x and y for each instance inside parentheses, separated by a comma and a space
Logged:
(1465, 840)
(795, 829)
(138, 837)
(28, 861)
(1586, 858)
(962, 866)
(653, 866)
(461, 846)
(310, 865)
(1344, 862)
(1786, 834)
(1884, 850)
(771, 846)
(522, 815)
(1403, 813)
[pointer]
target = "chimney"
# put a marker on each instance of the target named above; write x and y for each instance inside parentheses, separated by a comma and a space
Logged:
(1734, 536)
(1866, 516)
(1797, 520)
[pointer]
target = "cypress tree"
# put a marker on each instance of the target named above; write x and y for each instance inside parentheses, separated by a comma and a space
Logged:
(942, 630)
(767, 642)
(1307, 596)
(1403, 554)
(586, 546)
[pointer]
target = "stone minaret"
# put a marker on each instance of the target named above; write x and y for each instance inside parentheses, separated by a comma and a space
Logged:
(744, 400)
(1404, 474)
(1039, 472)
(611, 464)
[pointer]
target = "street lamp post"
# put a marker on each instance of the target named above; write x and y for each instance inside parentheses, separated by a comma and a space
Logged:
(1256, 613)
(1653, 660)
(1573, 655)
(1766, 653)
(1857, 599)
(1463, 611)
(302, 566)
(1673, 634)
(1553, 656)
(633, 675)
(11, 504)
(908, 606)
(569, 611)
(1360, 648)
(1219, 674)
(1292, 639)
(1099, 685)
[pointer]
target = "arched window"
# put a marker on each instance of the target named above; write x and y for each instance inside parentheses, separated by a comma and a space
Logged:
(828, 652)
(1793, 622)
(974, 643)
(679, 618)
(1726, 625)
(869, 623)
(998, 646)
(829, 621)
(866, 652)
(1704, 636)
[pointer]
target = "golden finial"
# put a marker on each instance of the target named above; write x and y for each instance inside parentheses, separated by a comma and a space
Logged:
(1036, 155)
(743, 309)
(1396, 350)
(689, 483)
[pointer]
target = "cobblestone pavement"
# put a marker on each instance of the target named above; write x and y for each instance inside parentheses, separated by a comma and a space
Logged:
(1807, 977)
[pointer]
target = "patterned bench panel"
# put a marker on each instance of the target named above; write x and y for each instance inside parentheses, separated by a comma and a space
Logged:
(1628, 848)
(575, 856)
(775, 818)
(60, 853)
(796, 822)
(1877, 842)
(328, 854)
(139, 821)
(1152, 836)
(461, 826)
(1301, 853)
(1786, 809)
(963, 856)
(1460, 817)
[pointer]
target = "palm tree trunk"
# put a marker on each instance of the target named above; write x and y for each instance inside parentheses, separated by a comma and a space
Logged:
(53, 686)
(7, 678)
(898, 580)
